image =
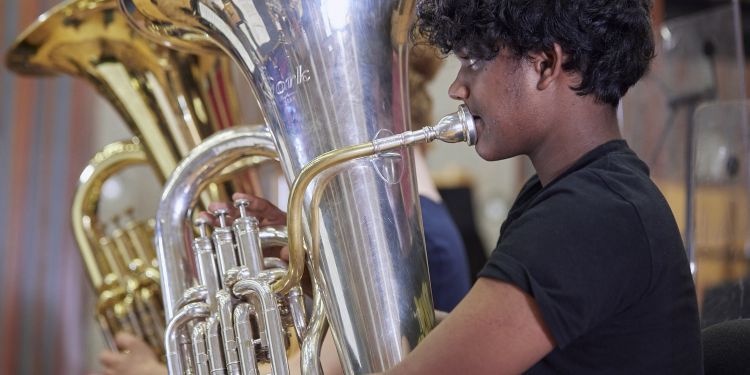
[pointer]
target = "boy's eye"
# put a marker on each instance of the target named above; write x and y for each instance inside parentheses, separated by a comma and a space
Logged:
(470, 62)
(466, 61)
(473, 64)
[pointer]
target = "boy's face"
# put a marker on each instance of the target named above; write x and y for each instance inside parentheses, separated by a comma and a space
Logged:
(499, 93)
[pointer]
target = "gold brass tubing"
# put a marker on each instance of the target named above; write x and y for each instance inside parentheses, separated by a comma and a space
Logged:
(122, 296)
(169, 23)
(140, 286)
(456, 127)
(318, 166)
(118, 268)
(311, 346)
(105, 163)
(125, 250)
(172, 100)
(100, 259)
(318, 325)
(108, 299)
(114, 302)
(151, 318)
(106, 330)
(296, 204)
(148, 230)
(138, 240)
(318, 190)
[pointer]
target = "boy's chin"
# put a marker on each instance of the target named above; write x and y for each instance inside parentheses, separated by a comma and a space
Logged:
(485, 154)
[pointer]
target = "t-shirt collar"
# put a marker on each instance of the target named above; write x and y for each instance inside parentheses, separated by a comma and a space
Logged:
(597, 153)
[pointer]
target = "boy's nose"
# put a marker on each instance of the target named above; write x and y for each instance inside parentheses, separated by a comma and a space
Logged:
(458, 90)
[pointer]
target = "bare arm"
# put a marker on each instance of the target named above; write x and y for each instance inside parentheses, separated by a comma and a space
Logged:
(496, 329)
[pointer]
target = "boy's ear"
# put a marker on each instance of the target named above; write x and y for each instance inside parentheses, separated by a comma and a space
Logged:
(548, 66)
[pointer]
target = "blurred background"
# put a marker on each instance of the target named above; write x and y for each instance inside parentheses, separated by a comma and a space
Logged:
(688, 119)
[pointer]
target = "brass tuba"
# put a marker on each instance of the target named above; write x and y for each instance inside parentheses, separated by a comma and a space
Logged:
(170, 100)
(330, 77)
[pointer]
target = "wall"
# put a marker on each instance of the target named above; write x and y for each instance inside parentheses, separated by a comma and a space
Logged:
(43, 146)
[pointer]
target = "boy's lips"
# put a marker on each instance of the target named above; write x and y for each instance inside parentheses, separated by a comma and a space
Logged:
(478, 125)
(478, 121)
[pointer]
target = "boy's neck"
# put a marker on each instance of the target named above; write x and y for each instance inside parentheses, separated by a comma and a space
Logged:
(582, 128)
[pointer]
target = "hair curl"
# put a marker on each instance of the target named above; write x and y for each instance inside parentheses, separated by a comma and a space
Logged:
(609, 42)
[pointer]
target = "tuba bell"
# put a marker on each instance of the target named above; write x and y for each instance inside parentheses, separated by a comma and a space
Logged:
(330, 78)
(170, 100)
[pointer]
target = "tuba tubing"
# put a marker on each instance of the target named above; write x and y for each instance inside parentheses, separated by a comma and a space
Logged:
(109, 161)
(130, 275)
(180, 196)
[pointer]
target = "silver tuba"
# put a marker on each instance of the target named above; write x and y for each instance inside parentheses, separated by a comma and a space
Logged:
(330, 78)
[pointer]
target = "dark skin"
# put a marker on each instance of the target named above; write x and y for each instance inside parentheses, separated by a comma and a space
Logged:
(266, 213)
(523, 107)
(526, 107)
(135, 357)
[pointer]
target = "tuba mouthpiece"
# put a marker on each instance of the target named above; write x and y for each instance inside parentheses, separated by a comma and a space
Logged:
(456, 127)
(453, 128)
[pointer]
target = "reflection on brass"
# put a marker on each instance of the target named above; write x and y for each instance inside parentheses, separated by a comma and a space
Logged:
(121, 264)
(170, 100)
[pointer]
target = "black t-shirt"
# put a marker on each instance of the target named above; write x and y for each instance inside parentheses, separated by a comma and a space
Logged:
(599, 251)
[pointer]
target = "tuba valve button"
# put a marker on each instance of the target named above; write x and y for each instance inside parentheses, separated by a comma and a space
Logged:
(202, 223)
(242, 205)
(221, 214)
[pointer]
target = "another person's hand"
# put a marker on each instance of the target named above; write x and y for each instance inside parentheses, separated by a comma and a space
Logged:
(263, 210)
(135, 357)
(266, 213)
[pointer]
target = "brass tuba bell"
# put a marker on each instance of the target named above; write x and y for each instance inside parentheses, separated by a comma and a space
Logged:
(170, 100)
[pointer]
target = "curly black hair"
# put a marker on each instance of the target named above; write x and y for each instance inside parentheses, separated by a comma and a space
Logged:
(609, 42)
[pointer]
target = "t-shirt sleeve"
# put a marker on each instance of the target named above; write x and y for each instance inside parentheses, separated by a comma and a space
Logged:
(581, 256)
